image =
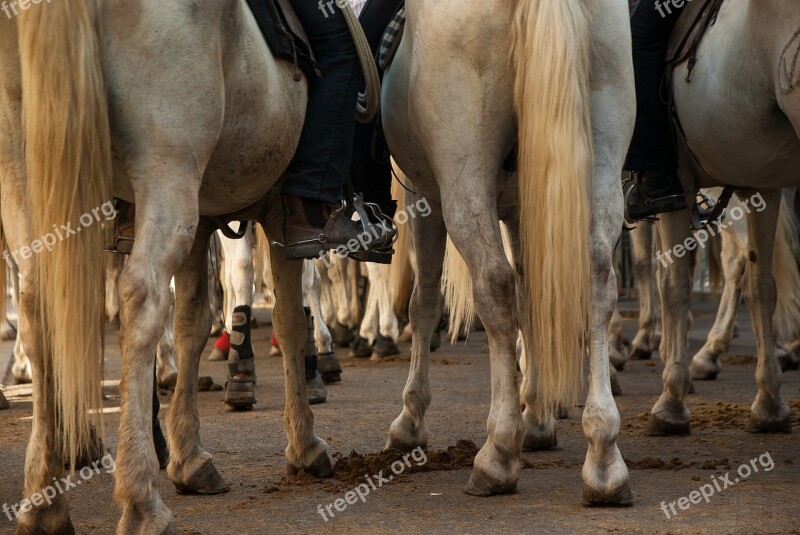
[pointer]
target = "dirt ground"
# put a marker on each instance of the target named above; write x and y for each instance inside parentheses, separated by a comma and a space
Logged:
(248, 451)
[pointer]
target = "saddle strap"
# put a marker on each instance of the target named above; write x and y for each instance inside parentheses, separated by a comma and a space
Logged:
(707, 20)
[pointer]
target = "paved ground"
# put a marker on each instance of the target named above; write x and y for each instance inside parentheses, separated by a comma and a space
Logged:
(248, 450)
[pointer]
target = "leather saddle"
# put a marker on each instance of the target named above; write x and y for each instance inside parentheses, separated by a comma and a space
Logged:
(284, 33)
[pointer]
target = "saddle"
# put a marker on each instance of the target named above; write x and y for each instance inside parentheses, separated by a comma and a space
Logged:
(284, 34)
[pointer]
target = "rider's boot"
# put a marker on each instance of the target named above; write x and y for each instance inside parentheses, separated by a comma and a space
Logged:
(651, 193)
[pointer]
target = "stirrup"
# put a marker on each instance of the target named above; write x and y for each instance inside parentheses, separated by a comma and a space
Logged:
(119, 244)
(379, 252)
(706, 211)
(627, 188)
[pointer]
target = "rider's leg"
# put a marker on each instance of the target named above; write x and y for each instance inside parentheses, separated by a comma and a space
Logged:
(317, 173)
(652, 152)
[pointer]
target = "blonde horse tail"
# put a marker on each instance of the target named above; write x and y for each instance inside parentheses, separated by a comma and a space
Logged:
(457, 289)
(401, 272)
(550, 52)
(68, 158)
(785, 270)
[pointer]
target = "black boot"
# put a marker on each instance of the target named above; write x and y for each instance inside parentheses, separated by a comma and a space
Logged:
(651, 193)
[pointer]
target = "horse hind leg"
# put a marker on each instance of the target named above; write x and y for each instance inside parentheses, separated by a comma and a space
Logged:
(410, 430)
(768, 413)
(705, 364)
(191, 468)
(540, 432)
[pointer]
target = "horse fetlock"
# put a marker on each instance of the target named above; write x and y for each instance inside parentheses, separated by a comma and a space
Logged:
(406, 433)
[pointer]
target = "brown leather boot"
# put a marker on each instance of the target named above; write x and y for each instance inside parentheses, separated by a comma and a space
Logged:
(312, 227)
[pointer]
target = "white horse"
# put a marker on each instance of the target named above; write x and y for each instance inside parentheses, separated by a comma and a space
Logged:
(752, 47)
(69, 81)
(567, 95)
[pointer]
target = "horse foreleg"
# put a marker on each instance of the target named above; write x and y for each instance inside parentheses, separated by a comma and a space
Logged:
(409, 430)
(769, 413)
(705, 364)
(644, 342)
(670, 416)
(166, 372)
(306, 451)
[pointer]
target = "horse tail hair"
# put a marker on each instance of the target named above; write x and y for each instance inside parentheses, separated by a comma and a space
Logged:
(716, 277)
(459, 301)
(550, 54)
(68, 158)
(401, 272)
(785, 269)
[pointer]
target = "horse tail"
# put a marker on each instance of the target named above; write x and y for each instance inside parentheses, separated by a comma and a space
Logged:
(457, 289)
(785, 269)
(401, 272)
(68, 158)
(550, 53)
(716, 277)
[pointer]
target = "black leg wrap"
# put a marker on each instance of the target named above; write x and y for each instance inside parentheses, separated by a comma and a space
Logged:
(240, 388)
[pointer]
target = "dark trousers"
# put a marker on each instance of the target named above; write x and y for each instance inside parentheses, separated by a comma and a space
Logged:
(652, 147)
(320, 165)
(372, 172)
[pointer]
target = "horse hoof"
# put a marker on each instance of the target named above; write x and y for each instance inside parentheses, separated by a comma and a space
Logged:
(622, 496)
(788, 361)
(321, 467)
(616, 389)
(360, 349)
(218, 355)
(540, 440)
(329, 367)
(342, 335)
(769, 418)
(659, 427)
(480, 484)
(65, 528)
(4, 404)
(436, 340)
(641, 354)
(169, 380)
(384, 347)
(315, 390)
(704, 370)
(204, 481)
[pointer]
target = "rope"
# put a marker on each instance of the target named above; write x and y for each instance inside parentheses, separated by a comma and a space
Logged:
(368, 102)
